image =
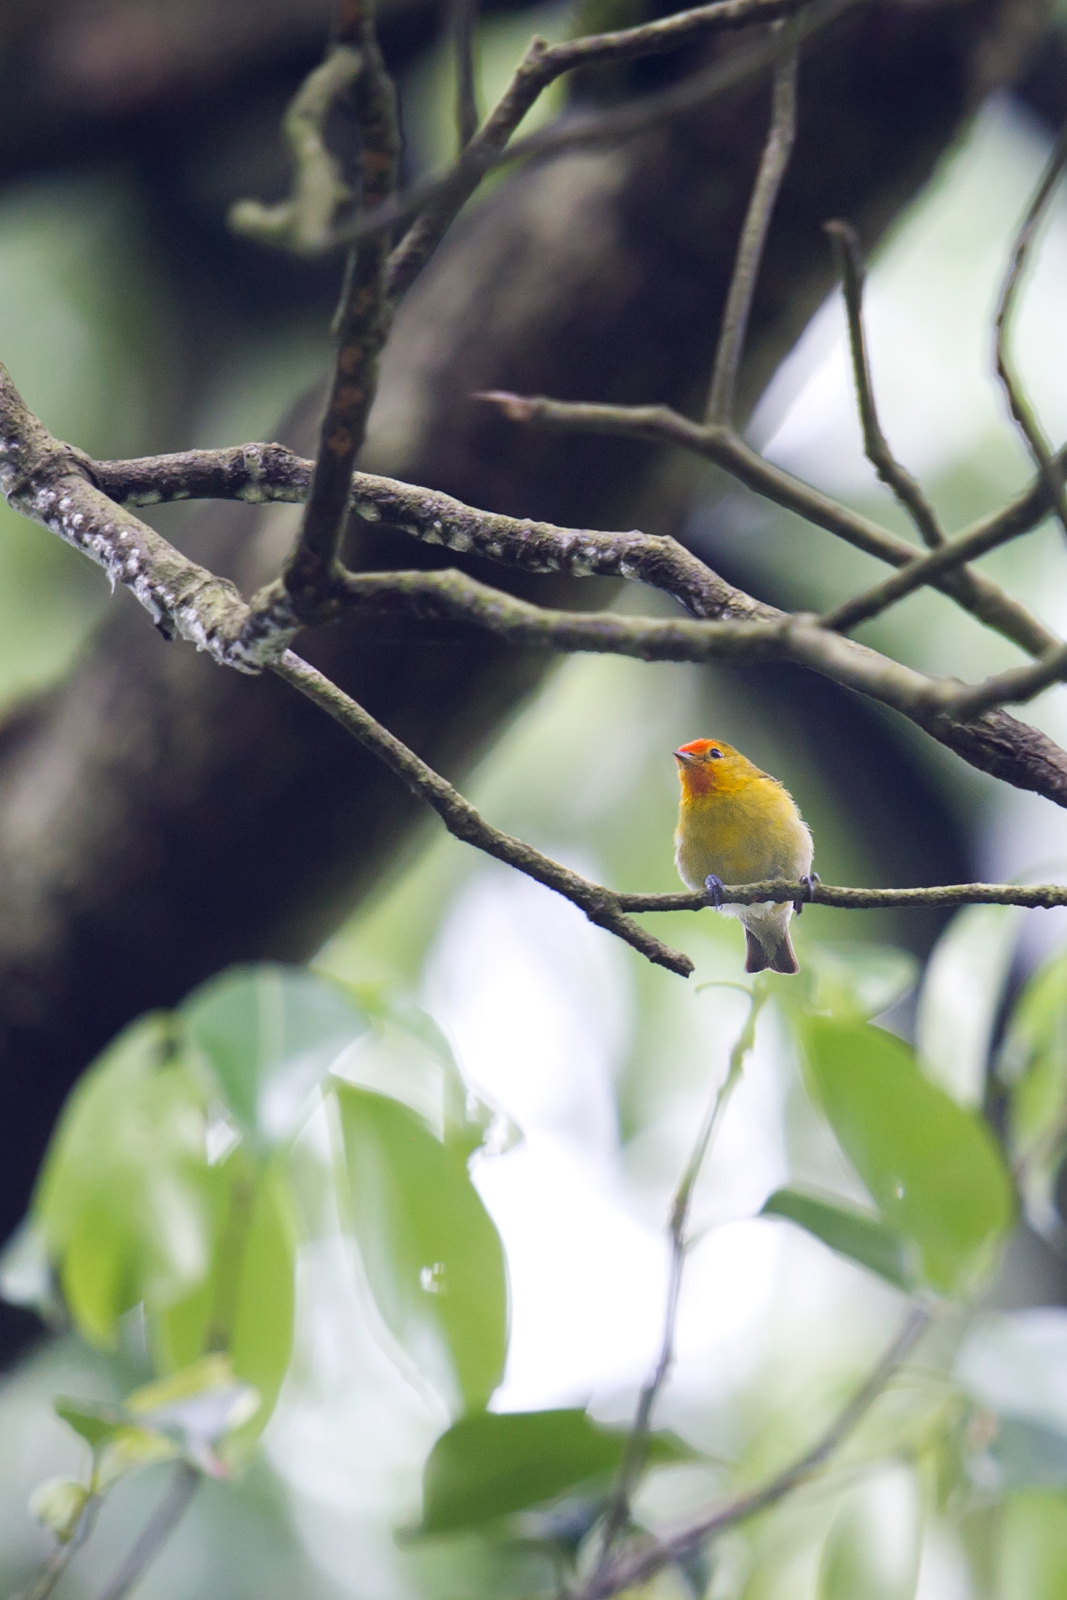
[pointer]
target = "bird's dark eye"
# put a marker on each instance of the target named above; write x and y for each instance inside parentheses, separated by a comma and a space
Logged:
(714, 755)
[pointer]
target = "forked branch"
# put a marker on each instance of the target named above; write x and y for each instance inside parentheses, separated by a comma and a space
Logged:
(633, 1569)
(1020, 408)
(360, 327)
(852, 273)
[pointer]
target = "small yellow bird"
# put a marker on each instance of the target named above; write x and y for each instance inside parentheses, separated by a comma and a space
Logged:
(737, 825)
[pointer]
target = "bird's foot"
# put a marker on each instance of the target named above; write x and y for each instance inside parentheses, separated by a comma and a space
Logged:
(714, 887)
(809, 880)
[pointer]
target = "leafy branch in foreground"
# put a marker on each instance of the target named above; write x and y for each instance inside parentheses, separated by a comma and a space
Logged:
(941, 1207)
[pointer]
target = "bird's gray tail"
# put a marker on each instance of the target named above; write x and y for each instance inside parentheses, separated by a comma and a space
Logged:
(779, 957)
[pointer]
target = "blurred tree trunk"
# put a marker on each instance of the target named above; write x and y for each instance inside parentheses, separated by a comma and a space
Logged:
(160, 818)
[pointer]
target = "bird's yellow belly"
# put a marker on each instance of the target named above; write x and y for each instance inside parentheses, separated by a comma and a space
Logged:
(743, 838)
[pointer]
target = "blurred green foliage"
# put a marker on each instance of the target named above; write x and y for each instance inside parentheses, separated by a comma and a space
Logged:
(175, 1205)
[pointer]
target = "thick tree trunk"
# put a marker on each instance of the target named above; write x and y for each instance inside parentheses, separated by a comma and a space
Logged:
(161, 818)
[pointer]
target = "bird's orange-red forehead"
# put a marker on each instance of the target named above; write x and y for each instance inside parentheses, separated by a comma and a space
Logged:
(696, 747)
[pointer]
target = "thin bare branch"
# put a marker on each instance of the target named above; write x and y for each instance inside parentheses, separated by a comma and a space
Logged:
(462, 22)
(463, 820)
(1013, 687)
(974, 591)
(306, 222)
(1040, 896)
(361, 326)
(431, 205)
(852, 273)
(773, 163)
(155, 1533)
(632, 1570)
(634, 1457)
(1030, 428)
(63, 1554)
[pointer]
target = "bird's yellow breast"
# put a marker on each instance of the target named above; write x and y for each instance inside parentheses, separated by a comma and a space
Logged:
(742, 834)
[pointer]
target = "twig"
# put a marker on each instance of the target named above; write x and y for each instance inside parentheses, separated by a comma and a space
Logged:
(773, 163)
(851, 271)
(919, 572)
(431, 205)
(306, 222)
(1013, 687)
(156, 1532)
(464, 821)
(637, 1568)
(361, 326)
(61, 1557)
(462, 19)
(974, 591)
(633, 1461)
(1019, 406)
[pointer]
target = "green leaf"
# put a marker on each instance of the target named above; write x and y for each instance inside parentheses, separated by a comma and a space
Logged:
(432, 1256)
(405, 1056)
(488, 1465)
(1033, 1547)
(184, 1331)
(860, 1235)
(269, 1034)
(246, 1305)
(93, 1421)
(122, 1201)
(1033, 1064)
(932, 1167)
(261, 1340)
(120, 1441)
(960, 996)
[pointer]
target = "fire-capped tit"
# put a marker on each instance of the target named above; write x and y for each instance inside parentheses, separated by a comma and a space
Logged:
(737, 825)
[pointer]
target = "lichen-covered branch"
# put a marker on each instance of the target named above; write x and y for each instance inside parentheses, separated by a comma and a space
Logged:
(360, 327)
(52, 484)
(68, 493)
(994, 743)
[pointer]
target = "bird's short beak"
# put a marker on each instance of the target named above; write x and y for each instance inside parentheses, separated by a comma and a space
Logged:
(684, 757)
